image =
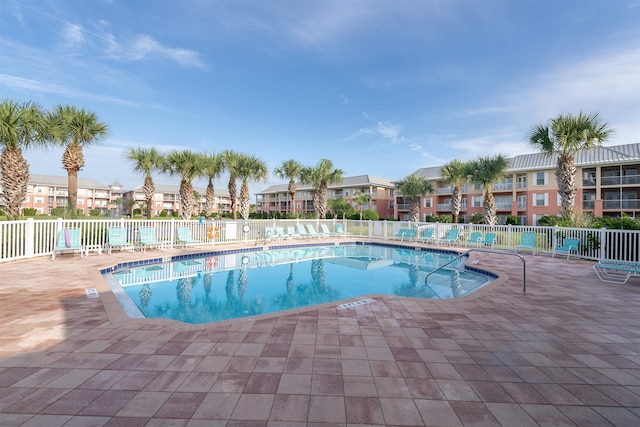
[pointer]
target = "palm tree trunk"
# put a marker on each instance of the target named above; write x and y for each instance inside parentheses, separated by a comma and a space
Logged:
(73, 193)
(566, 177)
(489, 205)
(292, 192)
(414, 212)
(456, 203)
(232, 196)
(244, 200)
(323, 196)
(15, 178)
(210, 200)
(148, 188)
(186, 199)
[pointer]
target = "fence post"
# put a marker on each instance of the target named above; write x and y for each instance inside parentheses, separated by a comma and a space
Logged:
(603, 243)
(29, 250)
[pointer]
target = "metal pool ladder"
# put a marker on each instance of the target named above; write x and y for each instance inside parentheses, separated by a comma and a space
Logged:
(466, 254)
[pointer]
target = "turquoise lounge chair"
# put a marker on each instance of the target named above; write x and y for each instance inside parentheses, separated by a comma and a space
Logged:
(451, 238)
(302, 232)
(568, 246)
(340, 231)
(270, 233)
(527, 241)
(312, 231)
(291, 232)
(489, 240)
(148, 239)
(185, 238)
(474, 238)
(68, 240)
(616, 271)
(427, 235)
(117, 238)
(409, 233)
(325, 230)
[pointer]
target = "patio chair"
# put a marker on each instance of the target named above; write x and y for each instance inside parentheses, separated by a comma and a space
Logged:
(619, 272)
(451, 237)
(68, 240)
(291, 232)
(148, 239)
(474, 238)
(117, 238)
(340, 231)
(302, 232)
(325, 230)
(313, 232)
(185, 238)
(426, 236)
(270, 233)
(409, 233)
(489, 239)
(568, 246)
(280, 233)
(527, 241)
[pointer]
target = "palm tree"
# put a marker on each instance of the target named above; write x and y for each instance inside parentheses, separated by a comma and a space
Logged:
(567, 135)
(146, 160)
(21, 126)
(79, 128)
(361, 199)
(453, 173)
(290, 169)
(230, 162)
(320, 177)
(413, 188)
(249, 168)
(188, 165)
(486, 171)
(212, 169)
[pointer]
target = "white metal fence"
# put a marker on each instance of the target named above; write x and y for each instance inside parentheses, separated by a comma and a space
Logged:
(32, 238)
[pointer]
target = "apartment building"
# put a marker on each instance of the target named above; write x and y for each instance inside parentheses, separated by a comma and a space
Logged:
(381, 191)
(608, 181)
(167, 197)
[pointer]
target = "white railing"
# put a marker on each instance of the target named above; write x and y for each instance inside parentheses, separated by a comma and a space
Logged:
(33, 238)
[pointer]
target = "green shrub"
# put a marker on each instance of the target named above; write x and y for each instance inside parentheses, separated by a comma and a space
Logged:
(175, 214)
(370, 215)
(29, 211)
(58, 212)
(476, 218)
(512, 220)
(95, 212)
(447, 219)
(137, 211)
(163, 213)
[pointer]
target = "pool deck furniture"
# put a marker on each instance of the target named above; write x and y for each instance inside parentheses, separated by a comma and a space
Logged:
(302, 232)
(474, 238)
(117, 238)
(450, 238)
(325, 230)
(68, 240)
(527, 241)
(185, 238)
(426, 235)
(280, 233)
(408, 233)
(313, 232)
(616, 271)
(148, 239)
(291, 232)
(568, 247)
(489, 240)
(341, 232)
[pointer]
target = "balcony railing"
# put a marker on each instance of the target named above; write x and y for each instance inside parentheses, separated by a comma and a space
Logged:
(588, 204)
(621, 204)
(503, 186)
(620, 180)
(403, 206)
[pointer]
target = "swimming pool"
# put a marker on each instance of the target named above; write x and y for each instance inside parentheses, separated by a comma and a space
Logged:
(234, 284)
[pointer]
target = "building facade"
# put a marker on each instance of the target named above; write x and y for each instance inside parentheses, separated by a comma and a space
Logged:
(381, 191)
(167, 198)
(608, 181)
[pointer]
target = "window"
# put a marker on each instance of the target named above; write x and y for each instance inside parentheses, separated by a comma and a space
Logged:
(428, 202)
(522, 181)
(39, 199)
(477, 201)
(542, 178)
(540, 199)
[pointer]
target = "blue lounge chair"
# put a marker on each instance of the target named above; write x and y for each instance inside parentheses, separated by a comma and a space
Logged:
(568, 246)
(489, 239)
(451, 238)
(270, 233)
(68, 240)
(185, 238)
(291, 232)
(527, 241)
(340, 231)
(426, 236)
(313, 232)
(280, 233)
(616, 271)
(302, 232)
(148, 239)
(117, 238)
(408, 233)
(325, 230)
(474, 238)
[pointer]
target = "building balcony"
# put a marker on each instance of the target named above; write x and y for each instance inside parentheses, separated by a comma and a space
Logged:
(503, 206)
(503, 186)
(588, 204)
(445, 207)
(621, 204)
(620, 180)
(403, 206)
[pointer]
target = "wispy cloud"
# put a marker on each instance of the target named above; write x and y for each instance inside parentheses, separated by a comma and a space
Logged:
(143, 46)
(72, 36)
(388, 131)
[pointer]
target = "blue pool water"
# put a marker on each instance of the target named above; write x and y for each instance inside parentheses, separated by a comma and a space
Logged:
(233, 285)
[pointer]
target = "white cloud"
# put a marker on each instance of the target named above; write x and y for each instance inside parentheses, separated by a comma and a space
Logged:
(415, 147)
(73, 36)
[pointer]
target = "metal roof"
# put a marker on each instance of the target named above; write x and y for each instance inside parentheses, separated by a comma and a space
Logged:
(63, 181)
(615, 154)
(175, 189)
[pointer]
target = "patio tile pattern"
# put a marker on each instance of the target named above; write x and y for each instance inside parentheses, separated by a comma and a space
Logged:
(565, 353)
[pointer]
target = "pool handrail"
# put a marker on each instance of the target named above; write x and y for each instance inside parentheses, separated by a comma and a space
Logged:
(466, 253)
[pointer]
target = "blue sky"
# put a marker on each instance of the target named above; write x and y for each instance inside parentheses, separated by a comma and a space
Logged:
(378, 87)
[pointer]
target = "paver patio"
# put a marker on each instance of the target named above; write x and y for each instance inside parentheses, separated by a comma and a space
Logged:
(565, 353)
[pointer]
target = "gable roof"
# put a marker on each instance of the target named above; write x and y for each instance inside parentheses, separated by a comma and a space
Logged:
(349, 181)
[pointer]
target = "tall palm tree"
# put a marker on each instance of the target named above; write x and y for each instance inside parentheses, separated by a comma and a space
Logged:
(320, 177)
(567, 135)
(188, 165)
(486, 171)
(21, 126)
(249, 168)
(230, 162)
(212, 169)
(146, 160)
(361, 199)
(290, 169)
(79, 128)
(413, 187)
(453, 173)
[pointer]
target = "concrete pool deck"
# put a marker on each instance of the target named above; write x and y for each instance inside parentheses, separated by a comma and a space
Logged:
(565, 353)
